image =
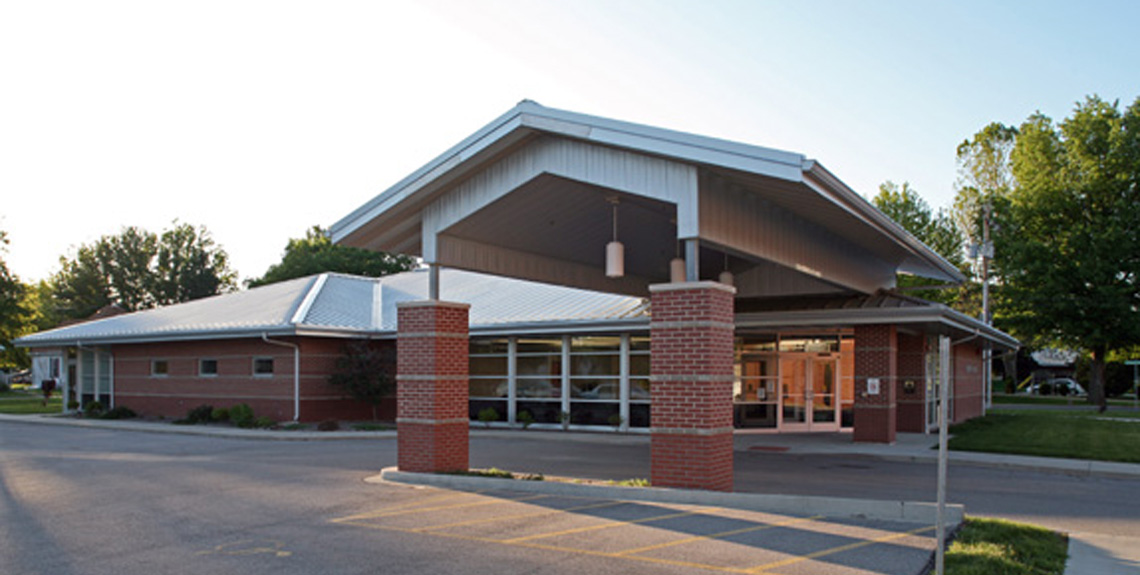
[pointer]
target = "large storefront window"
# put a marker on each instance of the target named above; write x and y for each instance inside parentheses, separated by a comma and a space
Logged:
(595, 380)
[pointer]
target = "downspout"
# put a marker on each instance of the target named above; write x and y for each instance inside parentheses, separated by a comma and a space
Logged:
(296, 372)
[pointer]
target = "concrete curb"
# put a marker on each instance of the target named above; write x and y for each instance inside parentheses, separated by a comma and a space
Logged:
(905, 511)
(1075, 467)
(223, 432)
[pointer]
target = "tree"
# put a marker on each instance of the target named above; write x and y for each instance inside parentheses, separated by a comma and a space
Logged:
(138, 269)
(906, 207)
(984, 176)
(13, 314)
(361, 372)
(1070, 236)
(315, 253)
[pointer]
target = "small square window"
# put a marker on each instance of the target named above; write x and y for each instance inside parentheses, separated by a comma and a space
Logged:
(263, 366)
(207, 367)
(159, 367)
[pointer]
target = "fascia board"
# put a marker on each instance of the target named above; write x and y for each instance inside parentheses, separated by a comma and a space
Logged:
(560, 327)
(843, 196)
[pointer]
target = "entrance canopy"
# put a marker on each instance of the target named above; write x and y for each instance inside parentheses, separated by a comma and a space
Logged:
(532, 195)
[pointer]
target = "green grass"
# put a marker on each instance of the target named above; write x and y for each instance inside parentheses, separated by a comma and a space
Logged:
(1023, 399)
(22, 403)
(1052, 434)
(997, 547)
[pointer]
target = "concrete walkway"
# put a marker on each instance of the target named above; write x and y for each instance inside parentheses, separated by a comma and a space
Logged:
(1089, 554)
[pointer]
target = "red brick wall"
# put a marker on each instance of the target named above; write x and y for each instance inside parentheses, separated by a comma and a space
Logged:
(691, 360)
(969, 391)
(911, 368)
(432, 367)
(183, 389)
(876, 356)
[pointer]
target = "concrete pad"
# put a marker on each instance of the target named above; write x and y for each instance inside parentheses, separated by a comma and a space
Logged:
(1093, 554)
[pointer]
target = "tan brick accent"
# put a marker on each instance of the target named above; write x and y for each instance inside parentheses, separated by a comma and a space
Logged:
(691, 356)
(432, 369)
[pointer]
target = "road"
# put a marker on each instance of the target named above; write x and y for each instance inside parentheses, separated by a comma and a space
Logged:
(78, 501)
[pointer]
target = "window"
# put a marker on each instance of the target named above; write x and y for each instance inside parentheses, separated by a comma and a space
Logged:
(263, 366)
(207, 367)
(159, 367)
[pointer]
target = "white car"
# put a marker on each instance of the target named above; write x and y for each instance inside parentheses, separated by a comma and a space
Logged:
(1058, 386)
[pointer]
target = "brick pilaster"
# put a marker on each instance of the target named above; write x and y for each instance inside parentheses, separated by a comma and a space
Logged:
(911, 383)
(431, 378)
(691, 356)
(876, 356)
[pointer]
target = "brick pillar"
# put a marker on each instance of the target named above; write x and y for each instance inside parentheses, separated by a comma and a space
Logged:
(911, 383)
(691, 355)
(876, 357)
(431, 380)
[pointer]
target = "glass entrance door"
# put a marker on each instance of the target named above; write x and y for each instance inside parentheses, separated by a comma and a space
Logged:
(808, 388)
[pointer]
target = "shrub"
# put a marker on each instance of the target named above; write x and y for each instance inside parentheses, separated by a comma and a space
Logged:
(241, 415)
(328, 425)
(93, 409)
(1045, 388)
(73, 405)
(488, 415)
(616, 420)
(220, 414)
(200, 414)
(4, 388)
(264, 422)
(525, 418)
(120, 412)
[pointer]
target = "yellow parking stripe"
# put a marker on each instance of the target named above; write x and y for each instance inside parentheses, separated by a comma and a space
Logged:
(517, 516)
(834, 550)
(720, 535)
(604, 526)
(438, 508)
(420, 503)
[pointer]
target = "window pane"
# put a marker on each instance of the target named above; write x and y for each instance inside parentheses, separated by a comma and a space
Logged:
(543, 411)
(595, 388)
(539, 345)
(488, 345)
(491, 365)
(159, 367)
(755, 344)
(208, 367)
(639, 365)
(595, 365)
(476, 405)
(487, 387)
(595, 343)
(639, 389)
(540, 365)
(263, 366)
(638, 343)
(549, 388)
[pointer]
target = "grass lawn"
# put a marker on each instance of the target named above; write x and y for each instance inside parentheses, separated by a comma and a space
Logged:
(22, 403)
(1077, 435)
(997, 547)
(1024, 399)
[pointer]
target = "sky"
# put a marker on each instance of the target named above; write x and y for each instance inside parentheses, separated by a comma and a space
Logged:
(260, 119)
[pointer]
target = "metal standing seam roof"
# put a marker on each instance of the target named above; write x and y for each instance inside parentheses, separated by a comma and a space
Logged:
(333, 304)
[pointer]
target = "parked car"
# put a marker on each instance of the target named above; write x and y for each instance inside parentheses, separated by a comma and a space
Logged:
(1057, 386)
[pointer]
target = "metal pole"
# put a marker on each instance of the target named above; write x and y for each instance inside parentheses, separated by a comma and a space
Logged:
(943, 416)
(987, 253)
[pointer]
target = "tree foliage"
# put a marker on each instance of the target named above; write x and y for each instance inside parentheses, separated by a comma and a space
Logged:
(361, 372)
(13, 311)
(1069, 263)
(138, 269)
(985, 176)
(315, 253)
(905, 206)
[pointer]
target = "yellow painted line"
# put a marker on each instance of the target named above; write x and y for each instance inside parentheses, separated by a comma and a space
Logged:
(437, 508)
(834, 550)
(609, 525)
(517, 516)
(720, 535)
(420, 503)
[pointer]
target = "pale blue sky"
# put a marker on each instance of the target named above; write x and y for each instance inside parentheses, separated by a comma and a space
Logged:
(260, 119)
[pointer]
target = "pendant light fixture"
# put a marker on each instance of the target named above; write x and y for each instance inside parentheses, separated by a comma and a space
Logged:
(615, 252)
(726, 276)
(677, 265)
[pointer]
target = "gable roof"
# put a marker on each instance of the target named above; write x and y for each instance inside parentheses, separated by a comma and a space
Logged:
(339, 305)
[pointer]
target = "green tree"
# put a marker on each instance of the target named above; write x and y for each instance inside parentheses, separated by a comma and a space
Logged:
(906, 207)
(138, 269)
(1070, 236)
(985, 176)
(13, 313)
(315, 253)
(361, 372)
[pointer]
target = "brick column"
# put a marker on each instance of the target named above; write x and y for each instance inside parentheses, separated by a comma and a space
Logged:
(431, 379)
(691, 355)
(911, 383)
(876, 356)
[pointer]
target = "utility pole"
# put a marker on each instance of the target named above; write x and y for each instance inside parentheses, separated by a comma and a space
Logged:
(987, 252)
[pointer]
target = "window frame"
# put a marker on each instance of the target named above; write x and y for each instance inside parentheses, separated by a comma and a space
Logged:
(253, 366)
(155, 372)
(201, 363)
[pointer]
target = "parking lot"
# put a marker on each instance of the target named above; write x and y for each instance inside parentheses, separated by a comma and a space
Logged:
(683, 538)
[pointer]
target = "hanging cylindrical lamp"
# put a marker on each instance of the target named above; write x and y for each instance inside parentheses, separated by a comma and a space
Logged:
(677, 265)
(726, 276)
(615, 252)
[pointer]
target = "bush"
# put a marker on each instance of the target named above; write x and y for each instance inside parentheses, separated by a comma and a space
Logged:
(93, 409)
(241, 415)
(488, 415)
(525, 418)
(616, 420)
(1045, 388)
(120, 412)
(200, 414)
(4, 388)
(264, 422)
(328, 425)
(73, 405)
(220, 414)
